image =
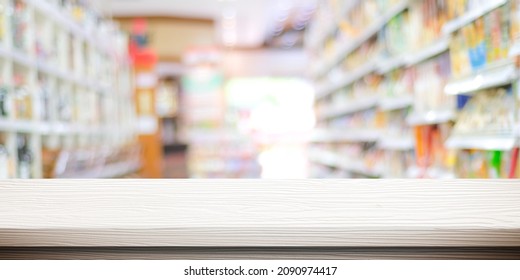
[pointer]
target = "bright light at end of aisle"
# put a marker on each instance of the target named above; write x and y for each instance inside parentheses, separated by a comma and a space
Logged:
(277, 113)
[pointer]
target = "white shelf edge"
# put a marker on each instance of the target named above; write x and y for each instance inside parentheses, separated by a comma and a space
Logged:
(348, 79)
(414, 172)
(438, 47)
(430, 118)
(471, 16)
(26, 60)
(353, 136)
(359, 168)
(396, 143)
(22, 126)
(390, 64)
(499, 74)
(515, 49)
(333, 160)
(355, 106)
(369, 32)
(499, 143)
(47, 128)
(113, 170)
(395, 103)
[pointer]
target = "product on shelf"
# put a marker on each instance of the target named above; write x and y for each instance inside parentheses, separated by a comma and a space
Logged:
(362, 120)
(349, 26)
(394, 124)
(482, 42)
(430, 79)
(396, 35)
(25, 157)
(397, 163)
(484, 164)
(398, 83)
(491, 112)
(44, 99)
(20, 25)
(4, 161)
(22, 98)
(368, 52)
(426, 18)
(64, 107)
(515, 20)
(431, 154)
(4, 101)
(3, 16)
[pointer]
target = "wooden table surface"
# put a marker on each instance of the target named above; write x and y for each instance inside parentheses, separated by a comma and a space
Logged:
(259, 219)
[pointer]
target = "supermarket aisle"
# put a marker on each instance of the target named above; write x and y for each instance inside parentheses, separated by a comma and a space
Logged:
(248, 89)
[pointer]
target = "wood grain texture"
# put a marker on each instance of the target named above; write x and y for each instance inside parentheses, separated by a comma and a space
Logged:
(260, 213)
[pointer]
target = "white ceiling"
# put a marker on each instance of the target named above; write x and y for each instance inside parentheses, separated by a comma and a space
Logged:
(254, 19)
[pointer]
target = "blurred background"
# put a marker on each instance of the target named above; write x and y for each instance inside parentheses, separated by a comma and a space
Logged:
(259, 89)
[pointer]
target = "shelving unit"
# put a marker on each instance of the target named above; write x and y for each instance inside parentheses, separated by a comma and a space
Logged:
(66, 83)
(409, 70)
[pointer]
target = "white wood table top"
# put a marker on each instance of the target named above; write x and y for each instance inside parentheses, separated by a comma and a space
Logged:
(256, 213)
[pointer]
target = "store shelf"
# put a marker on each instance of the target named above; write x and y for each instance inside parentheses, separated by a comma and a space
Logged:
(351, 45)
(390, 64)
(494, 75)
(347, 79)
(333, 160)
(428, 106)
(26, 60)
(46, 128)
(351, 107)
(471, 16)
(430, 118)
(415, 172)
(360, 168)
(17, 57)
(347, 135)
(322, 36)
(395, 103)
(438, 47)
(53, 12)
(492, 143)
(323, 158)
(23, 126)
(514, 50)
(114, 170)
(396, 143)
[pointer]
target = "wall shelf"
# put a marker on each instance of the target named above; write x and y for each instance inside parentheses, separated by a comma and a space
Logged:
(395, 103)
(416, 119)
(346, 80)
(482, 142)
(396, 143)
(351, 107)
(494, 75)
(348, 135)
(66, 84)
(429, 111)
(438, 47)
